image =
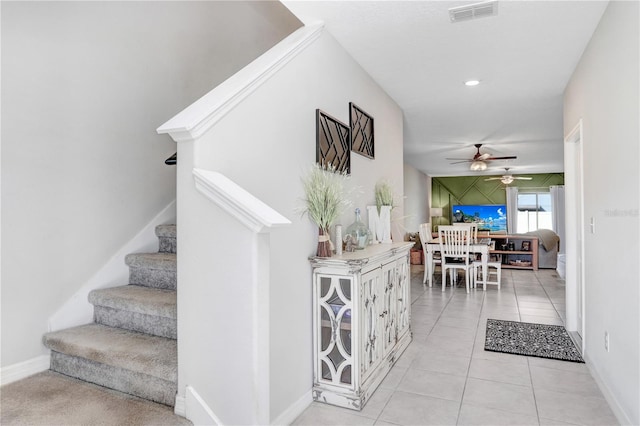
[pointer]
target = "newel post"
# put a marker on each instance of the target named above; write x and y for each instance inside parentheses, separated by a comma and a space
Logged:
(259, 219)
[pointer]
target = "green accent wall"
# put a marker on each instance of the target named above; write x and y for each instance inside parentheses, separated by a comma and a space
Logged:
(447, 191)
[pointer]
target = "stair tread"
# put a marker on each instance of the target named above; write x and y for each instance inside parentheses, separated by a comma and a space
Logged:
(165, 261)
(143, 353)
(166, 231)
(135, 298)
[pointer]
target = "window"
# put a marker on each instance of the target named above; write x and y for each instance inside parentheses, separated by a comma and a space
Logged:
(534, 211)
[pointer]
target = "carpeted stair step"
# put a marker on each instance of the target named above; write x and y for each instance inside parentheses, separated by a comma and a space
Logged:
(167, 236)
(135, 363)
(137, 308)
(157, 270)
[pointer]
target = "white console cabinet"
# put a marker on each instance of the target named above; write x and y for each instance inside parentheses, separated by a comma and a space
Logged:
(361, 313)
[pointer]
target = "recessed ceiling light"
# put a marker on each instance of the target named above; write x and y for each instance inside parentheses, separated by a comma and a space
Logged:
(472, 82)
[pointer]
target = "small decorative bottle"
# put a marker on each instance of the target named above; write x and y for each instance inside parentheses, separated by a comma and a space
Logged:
(359, 232)
(338, 240)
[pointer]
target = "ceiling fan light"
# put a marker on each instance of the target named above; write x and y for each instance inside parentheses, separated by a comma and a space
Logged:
(507, 179)
(478, 166)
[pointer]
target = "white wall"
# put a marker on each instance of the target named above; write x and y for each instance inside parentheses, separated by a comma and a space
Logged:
(603, 91)
(265, 145)
(84, 86)
(417, 198)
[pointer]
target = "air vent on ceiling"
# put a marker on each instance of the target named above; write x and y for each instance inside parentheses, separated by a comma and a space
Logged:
(473, 11)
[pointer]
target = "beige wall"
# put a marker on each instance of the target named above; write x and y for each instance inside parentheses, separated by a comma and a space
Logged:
(84, 86)
(603, 92)
(417, 198)
(265, 144)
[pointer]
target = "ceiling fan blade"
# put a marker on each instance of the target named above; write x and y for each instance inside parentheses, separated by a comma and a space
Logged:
(461, 161)
(458, 159)
(522, 177)
(493, 178)
(511, 157)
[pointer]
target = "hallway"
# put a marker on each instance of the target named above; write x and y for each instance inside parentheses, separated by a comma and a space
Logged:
(446, 377)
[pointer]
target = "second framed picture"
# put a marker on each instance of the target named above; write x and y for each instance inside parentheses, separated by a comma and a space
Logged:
(361, 123)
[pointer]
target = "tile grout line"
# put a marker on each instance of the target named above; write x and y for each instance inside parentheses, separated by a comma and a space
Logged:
(466, 380)
(552, 304)
(533, 390)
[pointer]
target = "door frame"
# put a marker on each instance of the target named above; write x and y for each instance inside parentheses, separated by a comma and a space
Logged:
(574, 234)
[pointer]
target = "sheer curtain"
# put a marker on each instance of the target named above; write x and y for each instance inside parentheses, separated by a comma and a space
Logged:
(512, 209)
(557, 212)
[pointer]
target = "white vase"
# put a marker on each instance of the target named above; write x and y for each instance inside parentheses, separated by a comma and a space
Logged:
(380, 223)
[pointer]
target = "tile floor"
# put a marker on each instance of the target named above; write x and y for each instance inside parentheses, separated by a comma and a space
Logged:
(446, 378)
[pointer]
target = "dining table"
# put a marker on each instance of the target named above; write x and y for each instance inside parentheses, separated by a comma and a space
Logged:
(479, 246)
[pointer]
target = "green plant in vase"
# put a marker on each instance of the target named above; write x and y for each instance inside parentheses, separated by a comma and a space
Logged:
(384, 195)
(325, 200)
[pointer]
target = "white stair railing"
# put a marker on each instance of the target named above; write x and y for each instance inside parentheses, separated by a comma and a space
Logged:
(224, 260)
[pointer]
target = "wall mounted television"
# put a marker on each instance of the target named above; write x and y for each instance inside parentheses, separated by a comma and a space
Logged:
(489, 217)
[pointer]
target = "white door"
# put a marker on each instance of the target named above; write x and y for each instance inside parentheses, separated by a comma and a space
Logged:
(574, 231)
(579, 241)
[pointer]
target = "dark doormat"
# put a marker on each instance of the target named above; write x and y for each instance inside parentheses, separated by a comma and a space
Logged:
(524, 338)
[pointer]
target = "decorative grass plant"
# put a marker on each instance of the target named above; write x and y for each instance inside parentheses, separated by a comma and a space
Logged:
(384, 195)
(325, 200)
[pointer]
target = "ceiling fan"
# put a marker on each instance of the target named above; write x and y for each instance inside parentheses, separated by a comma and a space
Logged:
(479, 161)
(507, 178)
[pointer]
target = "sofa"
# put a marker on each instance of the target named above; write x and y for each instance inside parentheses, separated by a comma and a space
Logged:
(548, 246)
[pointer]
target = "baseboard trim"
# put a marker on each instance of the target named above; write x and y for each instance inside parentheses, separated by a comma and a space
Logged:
(618, 410)
(14, 372)
(294, 410)
(179, 406)
(197, 410)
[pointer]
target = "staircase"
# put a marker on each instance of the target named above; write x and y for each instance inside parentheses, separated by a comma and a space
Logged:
(131, 346)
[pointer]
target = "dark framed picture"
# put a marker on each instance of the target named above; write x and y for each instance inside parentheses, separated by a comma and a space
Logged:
(526, 246)
(333, 142)
(361, 123)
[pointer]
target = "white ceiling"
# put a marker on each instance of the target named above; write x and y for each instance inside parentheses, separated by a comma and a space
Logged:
(524, 57)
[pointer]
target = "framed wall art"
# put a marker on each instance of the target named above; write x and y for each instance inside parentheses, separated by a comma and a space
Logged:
(361, 124)
(333, 142)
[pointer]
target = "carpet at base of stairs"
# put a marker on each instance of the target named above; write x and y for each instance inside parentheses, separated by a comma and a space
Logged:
(50, 398)
(131, 362)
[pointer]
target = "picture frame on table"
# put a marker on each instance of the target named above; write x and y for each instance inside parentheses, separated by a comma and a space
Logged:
(526, 246)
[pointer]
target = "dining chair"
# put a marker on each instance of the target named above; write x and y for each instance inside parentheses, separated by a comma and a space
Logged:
(474, 238)
(497, 272)
(425, 236)
(474, 229)
(454, 252)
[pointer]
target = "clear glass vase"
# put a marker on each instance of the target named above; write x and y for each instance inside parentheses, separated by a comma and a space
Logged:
(358, 235)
